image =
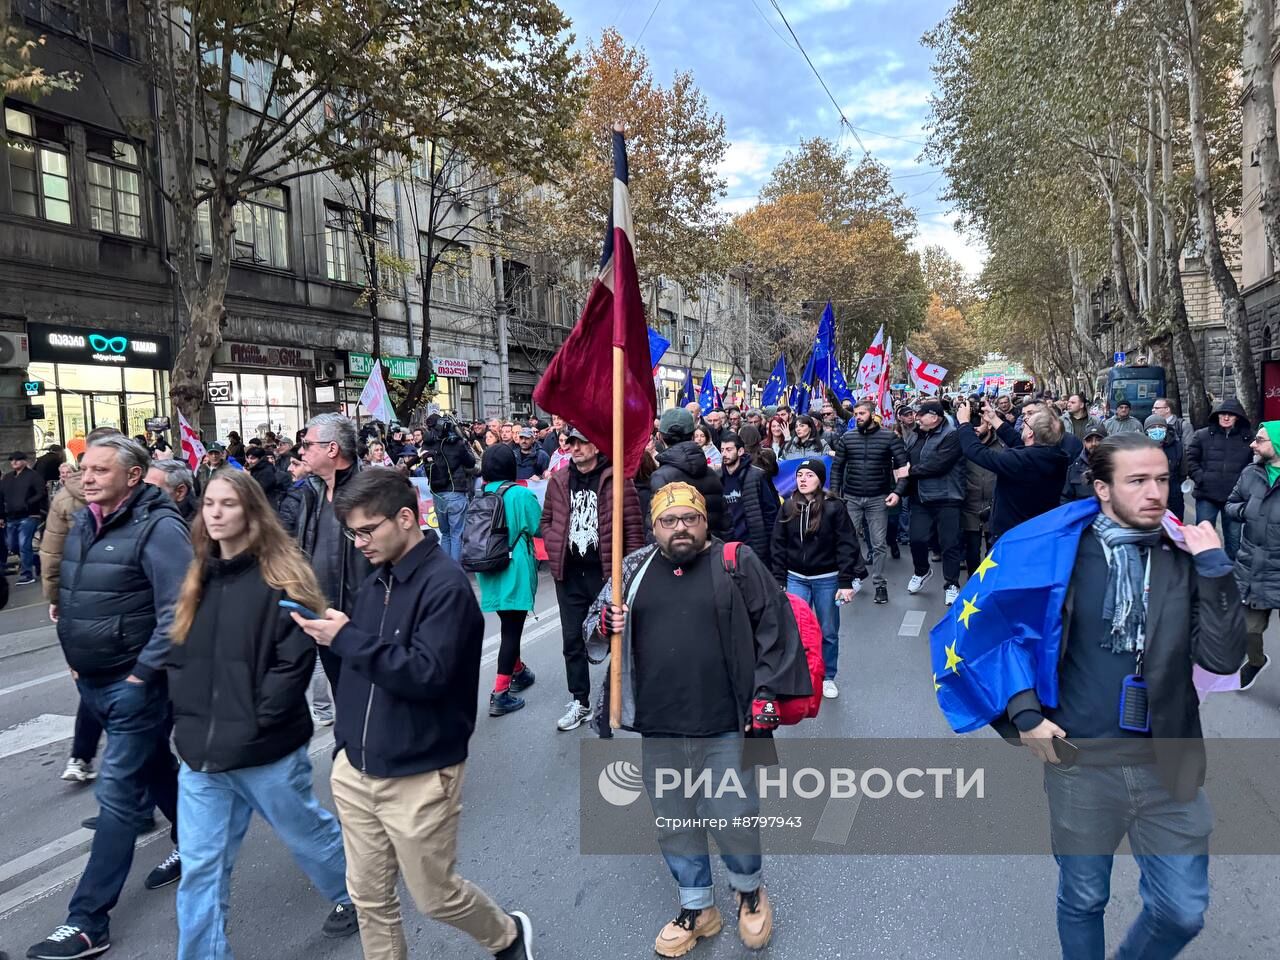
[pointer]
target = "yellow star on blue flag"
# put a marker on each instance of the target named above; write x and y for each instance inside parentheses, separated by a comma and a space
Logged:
(1007, 628)
(776, 383)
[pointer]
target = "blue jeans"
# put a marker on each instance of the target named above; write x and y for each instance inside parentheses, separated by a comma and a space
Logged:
(215, 809)
(137, 769)
(17, 539)
(451, 511)
(820, 594)
(1091, 809)
(685, 848)
(1208, 510)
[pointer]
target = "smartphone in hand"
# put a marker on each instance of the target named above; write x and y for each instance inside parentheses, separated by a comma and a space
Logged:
(305, 612)
(1066, 751)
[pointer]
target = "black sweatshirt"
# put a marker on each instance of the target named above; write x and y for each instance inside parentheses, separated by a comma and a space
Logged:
(833, 548)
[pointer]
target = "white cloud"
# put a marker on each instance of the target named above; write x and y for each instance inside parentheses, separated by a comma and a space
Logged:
(905, 101)
(940, 230)
(746, 162)
(736, 205)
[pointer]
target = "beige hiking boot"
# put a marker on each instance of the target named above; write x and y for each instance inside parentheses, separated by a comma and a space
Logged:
(755, 918)
(683, 933)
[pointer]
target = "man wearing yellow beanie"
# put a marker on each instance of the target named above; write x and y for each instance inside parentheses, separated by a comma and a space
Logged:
(708, 646)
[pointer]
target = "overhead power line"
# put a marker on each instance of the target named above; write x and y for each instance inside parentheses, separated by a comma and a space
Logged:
(804, 53)
(646, 23)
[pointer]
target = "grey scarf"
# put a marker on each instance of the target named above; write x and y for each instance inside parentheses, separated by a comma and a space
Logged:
(1123, 606)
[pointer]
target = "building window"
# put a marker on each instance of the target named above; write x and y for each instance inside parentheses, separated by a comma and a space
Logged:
(115, 188)
(37, 167)
(439, 163)
(262, 229)
(346, 251)
(451, 278)
(60, 16)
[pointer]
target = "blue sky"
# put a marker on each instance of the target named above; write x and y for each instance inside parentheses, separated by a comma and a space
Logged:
(743, 59)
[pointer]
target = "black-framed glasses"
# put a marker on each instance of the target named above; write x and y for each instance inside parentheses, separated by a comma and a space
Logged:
(303, 444)
(355, 536)
(689, 521)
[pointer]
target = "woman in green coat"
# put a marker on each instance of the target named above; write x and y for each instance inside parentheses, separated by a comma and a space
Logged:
(510, 592)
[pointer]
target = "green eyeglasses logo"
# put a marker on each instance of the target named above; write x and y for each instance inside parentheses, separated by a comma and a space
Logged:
(104, 344)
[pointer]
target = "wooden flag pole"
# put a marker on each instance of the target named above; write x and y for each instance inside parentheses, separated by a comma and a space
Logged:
(615, 641)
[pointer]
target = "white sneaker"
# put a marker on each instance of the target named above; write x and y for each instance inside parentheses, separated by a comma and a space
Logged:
(829, 690)
(916, 583)
(79, 771)
(576, 716)
(949, 596)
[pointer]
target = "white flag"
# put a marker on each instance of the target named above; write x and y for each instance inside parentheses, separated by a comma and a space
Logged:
(374, 396)
(192, 449)
(926, 377)
(871, 365)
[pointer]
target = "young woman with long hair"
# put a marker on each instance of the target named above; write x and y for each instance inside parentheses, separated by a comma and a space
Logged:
(779, 435)
(807, 441)
(510, 592)
(702, 437)
(238, 674)
(815, 555)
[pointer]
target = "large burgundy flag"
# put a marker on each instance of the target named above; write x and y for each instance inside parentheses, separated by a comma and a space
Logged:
(578, 384)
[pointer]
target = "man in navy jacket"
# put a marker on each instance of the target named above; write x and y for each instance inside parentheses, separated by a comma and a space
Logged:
(1029, 477)
(406, 701)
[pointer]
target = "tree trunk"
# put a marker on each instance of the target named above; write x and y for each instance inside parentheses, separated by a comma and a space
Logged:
(1234, 316)
(1162, 350)
(419, 386)
(1081, 311)
(1260, 104)
(1196, 403)
(203, 297)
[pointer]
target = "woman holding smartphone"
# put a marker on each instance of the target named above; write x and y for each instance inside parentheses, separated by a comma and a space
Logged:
(238, 674)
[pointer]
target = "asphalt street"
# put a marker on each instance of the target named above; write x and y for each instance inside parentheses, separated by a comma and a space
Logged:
(519, 836)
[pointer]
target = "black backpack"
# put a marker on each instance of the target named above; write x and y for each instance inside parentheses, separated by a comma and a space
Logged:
(486, 541)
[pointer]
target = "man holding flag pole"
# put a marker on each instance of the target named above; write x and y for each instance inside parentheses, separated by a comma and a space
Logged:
(717, 649)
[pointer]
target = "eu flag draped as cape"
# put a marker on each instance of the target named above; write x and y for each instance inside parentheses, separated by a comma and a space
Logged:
(1004, 632)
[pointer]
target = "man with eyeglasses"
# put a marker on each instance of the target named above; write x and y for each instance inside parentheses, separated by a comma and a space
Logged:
(577, 528)
(709, 645)
(412, 643)
(329, 449)
(1255, 504)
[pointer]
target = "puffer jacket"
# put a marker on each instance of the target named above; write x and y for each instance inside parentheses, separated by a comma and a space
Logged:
(865, 460)
(1256, 504)
(238, 681)
(57, 525)
(1215, 458)
(685, 462)
(937, 468)
(555, 520)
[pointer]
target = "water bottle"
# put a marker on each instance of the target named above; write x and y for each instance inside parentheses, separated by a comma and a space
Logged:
(1188, 485)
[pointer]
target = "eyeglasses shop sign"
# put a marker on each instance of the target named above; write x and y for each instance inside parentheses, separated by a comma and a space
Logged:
(96, 345)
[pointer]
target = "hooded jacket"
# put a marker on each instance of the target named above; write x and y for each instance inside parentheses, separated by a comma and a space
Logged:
(833, 548)
(685, 462)
(1216, 457)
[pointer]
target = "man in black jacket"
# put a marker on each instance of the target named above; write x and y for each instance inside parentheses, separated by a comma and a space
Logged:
(122, 568)
(25, 498)
(449, 462)
(1137, 772)
(1255, 505)
(329, 450)
(864, 474)
(264, 471)
(683, 461)
(1029, 478)
(413, 644)
(1215, 458)
(1077, 485)
(750, 498)
(937, 475)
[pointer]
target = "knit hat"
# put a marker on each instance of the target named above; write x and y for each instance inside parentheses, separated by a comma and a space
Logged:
(498, 463)
(1155, 420)
(814, 465)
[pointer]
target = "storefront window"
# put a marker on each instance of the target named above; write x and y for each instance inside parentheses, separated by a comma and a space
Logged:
(263, 402)
(79, 398)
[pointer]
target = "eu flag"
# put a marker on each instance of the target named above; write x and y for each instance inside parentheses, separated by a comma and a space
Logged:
(777, 382)
(707, 398)
(1004, 636)
(687, 391)
(838, 384)
(657, 347)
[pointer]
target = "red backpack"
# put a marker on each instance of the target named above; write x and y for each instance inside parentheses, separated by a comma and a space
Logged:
(791, 710)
